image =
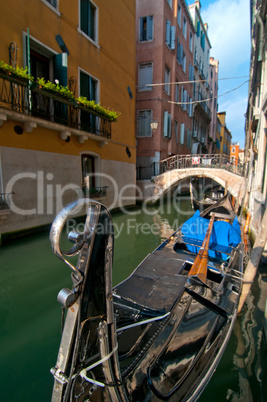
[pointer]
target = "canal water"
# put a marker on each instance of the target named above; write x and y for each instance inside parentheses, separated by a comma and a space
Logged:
(30, 317)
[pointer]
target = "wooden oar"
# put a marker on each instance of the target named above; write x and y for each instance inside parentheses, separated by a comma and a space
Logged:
(200, 266)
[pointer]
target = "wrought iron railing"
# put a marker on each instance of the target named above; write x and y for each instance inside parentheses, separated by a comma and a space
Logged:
(217, 161)
(16, 94)
(94, 192)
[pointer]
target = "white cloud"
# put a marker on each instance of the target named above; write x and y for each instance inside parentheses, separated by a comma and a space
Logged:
(229, 34)
(228, 31)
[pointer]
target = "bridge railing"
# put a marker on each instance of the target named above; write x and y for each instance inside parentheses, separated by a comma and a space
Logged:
(217, 161)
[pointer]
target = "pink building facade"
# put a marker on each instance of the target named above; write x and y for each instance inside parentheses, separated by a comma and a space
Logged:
(213, 83)
(164, 71)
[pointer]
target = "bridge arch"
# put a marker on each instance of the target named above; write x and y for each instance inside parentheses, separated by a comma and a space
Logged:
(164, 182)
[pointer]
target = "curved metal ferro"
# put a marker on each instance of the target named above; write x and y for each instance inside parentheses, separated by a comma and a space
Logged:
(80, 238)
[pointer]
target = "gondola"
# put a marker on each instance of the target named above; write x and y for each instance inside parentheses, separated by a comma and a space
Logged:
(159, 334)
(209, 199)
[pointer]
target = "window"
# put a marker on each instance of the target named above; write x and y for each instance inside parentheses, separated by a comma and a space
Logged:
(180, 51)
(52, 2)
(88, 171)
(182, 133)
(176, 95)
(191, 41)
(182, 96)
(144, 121)
(88, 18)
(198, 29)
(145, 28)
(184, 27)
(167, 125)
(188, 138)
(50, 66)
(179, 15)
(168, 33)
(145, 76)
(184, 62)
(190, 111)
(176, 127)
(167, 81)
(170, 3)
(89, 89)
(184, 106)
(191, 72)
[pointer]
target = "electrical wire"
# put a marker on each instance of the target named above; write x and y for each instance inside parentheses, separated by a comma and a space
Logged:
(208, 99)
(193, 81)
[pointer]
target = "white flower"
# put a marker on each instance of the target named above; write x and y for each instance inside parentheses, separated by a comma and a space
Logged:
(57, 81)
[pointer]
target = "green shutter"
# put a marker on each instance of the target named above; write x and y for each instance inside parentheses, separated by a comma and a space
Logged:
(198, 28)
(61, 68)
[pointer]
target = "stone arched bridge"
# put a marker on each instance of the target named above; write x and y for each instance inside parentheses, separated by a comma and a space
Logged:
(156, 188)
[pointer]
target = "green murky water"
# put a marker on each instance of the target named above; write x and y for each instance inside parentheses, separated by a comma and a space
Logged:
(30, 317)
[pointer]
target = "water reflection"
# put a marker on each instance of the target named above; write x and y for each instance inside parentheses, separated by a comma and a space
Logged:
(31, 277)
(242, 372)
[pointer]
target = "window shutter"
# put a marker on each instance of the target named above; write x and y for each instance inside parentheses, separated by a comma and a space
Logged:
(176, 93)
(149, 28)
(184, 62)
(198, 29)
(61, 68)
(141, 30)
(181, 53)
(169, 126)
(165, 124)
(168, 33)
(172, 37)
(182, 134)
(176, 131)
(185, 99)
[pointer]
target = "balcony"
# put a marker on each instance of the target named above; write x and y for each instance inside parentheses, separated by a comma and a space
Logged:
(26, 101)
(202, 104)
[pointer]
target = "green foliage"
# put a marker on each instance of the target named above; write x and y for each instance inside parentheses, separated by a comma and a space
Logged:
(20, 72)
(64, 91)
(110, 115)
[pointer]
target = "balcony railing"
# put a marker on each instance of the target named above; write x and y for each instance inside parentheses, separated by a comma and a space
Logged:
(94, 192)
(17, 95)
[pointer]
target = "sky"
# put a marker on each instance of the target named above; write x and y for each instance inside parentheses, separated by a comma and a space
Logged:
(229, 35)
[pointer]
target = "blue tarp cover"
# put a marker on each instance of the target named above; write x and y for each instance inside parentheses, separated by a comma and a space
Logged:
(223, 233)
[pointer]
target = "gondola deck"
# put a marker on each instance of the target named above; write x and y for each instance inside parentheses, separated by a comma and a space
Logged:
(159, 334)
